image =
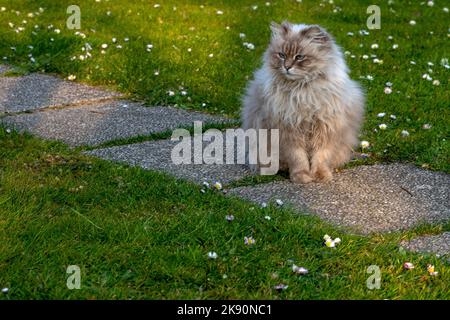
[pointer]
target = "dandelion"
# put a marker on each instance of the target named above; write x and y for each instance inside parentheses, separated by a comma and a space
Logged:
(364, 144)
(382, 126)
(249, 241)
(404, 133)
(387, 90)
(212, 255)
(299, 270)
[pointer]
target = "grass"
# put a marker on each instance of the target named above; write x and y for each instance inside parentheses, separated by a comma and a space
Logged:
(137, 234)
(216, 84)
(140, 234)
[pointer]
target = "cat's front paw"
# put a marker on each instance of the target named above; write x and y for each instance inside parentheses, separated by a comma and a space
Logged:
(323, 174)
(301, 177)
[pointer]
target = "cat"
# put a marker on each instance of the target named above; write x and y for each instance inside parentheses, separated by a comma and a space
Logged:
(304, 90)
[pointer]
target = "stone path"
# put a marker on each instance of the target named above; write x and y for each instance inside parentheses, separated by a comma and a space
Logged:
(365, 199)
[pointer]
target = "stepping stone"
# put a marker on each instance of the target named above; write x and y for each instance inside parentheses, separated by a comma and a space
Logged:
(37, 91)
(435, 244)
(156, 155)
(101, 122)
(367, 199)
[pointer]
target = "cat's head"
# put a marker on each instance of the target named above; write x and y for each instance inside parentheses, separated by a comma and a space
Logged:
(299, 52)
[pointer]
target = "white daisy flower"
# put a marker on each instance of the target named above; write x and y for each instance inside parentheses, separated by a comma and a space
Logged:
(71, 77)
(381, 114)
(382, 126)
(104, 46)
(395, 46)
(412, 22)
(212, 255)
(170, 93)
(430, 3)
(404, 133)
(299, 270)
(364, 144)
(436, 82)
(393, 116)
(365, 57)
(219, 12)
(374, 46)
(387, 90)
(279, 202)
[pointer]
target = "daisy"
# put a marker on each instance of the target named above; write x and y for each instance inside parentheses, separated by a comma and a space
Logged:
(249, 241)
(212, 255)
(404, 133)
(382, 126)
(364, 144)
(387, 90)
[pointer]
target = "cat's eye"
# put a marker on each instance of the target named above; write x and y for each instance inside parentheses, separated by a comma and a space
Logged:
(282, 55)
(299, 57)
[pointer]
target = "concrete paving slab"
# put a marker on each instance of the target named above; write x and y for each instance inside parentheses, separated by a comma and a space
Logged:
(156, 155)
(431, 244)
(37, 91)
(101, 122)
(367, 199)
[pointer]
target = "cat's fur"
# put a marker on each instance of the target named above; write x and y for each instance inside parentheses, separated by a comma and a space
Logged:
(315, 105)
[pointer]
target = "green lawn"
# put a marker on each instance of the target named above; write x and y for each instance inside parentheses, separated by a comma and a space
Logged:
(139, 234)
(184, 38)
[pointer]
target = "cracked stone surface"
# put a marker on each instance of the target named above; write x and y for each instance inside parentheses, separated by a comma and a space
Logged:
(37, 91)
(432, 244)
(156, 155)
(101, 122)
(367, 199)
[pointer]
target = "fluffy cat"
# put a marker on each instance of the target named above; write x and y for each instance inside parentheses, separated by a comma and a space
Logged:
(304, 90)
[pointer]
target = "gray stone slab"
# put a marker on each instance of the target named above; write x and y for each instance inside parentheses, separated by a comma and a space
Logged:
(36, 91)
(432, 244)
(156, 155)
(367, 199)
(101, 122)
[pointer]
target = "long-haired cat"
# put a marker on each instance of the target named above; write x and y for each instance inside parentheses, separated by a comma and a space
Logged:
(304, 90)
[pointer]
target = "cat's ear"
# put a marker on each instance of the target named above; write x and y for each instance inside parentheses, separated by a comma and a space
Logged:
(316, 34)
(280, 30)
